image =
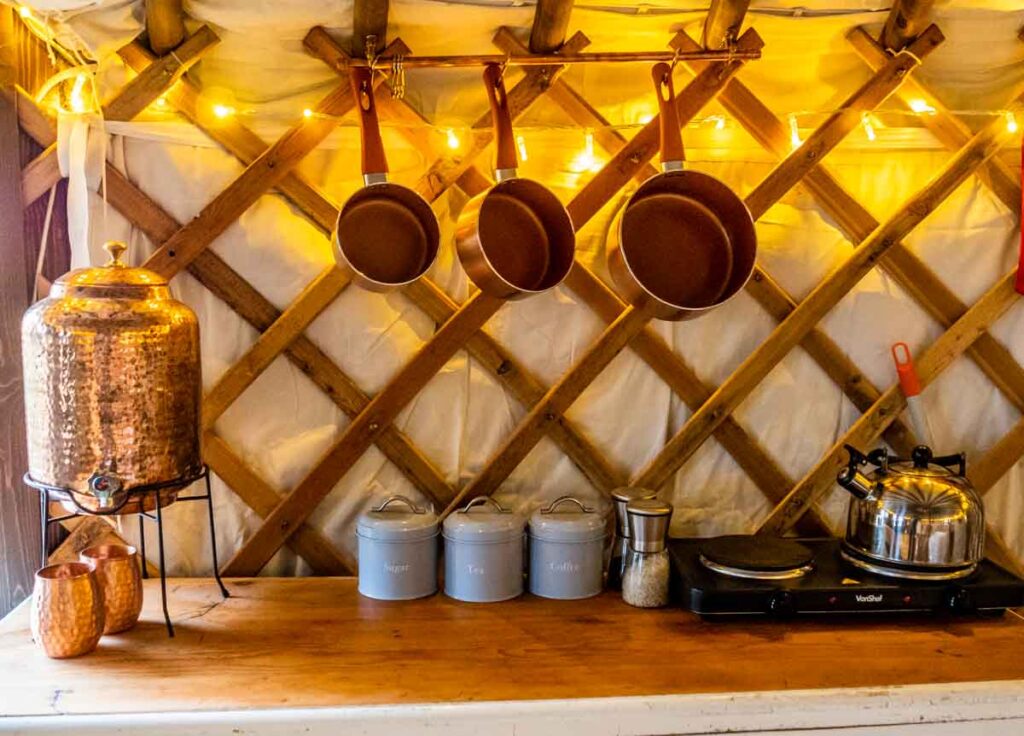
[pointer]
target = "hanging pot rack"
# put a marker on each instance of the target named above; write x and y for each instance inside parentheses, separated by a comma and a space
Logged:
(605, 57)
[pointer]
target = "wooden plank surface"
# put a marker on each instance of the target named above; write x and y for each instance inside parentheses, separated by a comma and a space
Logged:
(293, 643)
(19, 520)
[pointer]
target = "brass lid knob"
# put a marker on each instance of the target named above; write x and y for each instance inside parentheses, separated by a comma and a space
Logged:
(115, 249)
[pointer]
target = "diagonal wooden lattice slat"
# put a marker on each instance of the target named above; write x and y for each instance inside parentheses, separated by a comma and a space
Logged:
(272, 166)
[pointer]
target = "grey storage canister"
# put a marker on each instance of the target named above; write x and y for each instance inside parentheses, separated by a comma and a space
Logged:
(566, 550)
(483, 553)
(397, 551)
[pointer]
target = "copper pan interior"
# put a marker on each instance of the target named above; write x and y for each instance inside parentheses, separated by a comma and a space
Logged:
(526, 235)
(387, 234)
(677, 249)
(725, 206)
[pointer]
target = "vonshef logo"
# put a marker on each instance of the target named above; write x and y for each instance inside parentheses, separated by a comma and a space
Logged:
(396, 568)
(870, 598)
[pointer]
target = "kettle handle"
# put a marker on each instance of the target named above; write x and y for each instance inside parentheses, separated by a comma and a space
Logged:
(959, 459)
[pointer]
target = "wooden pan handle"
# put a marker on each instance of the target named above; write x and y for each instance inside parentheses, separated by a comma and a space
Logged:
(671, 138)
(374, 160)
(504, 140)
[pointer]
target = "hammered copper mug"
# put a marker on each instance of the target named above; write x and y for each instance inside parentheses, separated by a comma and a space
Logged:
(118, 574)
(67, 615)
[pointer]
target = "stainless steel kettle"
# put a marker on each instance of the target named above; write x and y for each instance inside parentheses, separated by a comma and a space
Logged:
(916, 519)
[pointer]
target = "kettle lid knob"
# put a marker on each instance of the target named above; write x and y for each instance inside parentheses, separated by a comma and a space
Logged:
(922, 456)
(115, 248)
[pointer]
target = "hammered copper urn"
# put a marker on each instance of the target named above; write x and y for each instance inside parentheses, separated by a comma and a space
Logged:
(112, 389)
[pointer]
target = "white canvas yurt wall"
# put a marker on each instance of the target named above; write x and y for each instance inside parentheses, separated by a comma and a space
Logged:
(283, 423)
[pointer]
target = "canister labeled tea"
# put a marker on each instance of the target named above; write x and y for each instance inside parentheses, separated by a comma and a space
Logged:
(397, 551)
(566, 550)
(483, 550)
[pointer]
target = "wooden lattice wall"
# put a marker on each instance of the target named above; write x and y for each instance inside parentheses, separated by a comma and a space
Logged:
(184, 246)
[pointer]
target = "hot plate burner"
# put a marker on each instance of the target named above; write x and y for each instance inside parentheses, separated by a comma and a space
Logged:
(756, 558)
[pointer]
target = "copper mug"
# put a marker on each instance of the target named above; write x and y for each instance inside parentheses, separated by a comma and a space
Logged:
(67, 609)
(118, 574)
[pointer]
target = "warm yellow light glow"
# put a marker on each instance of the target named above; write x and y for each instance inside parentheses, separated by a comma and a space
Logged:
(869, 130)
(161, 102)
(719, 122)
(1011, 123)
(585, 160)
(223, 111)
(453, 140)
(920, 106)
(25, 12)
(521, 145)
(77, 97)
(646, 118)
(307, 113)
(794, 132)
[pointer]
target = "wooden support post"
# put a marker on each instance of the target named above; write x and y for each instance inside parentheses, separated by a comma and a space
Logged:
(19, 521)
(369, 18)
(550, 25)
(906, 19)
(165, 25)
(723, 22)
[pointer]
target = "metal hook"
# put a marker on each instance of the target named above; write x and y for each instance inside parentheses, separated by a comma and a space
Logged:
(503, 66)
(397, 78)
(675, 60)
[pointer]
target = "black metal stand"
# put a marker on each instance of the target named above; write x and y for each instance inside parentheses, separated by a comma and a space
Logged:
(45, 492)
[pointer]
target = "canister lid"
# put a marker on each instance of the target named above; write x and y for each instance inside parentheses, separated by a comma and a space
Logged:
(114, 280)
(483, 520)
(398, 519)
(567, 519)
(626, 494)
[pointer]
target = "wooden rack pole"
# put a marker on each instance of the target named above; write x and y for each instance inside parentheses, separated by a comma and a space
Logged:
(905, 21)
(165, 24)
(723, 22)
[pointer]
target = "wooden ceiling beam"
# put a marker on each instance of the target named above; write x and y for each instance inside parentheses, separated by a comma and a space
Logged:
(165, 23)
(550, 25)
(369, 18)
(906, 20)
(723, 22)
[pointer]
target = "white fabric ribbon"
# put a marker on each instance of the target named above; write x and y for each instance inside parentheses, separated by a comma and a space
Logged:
(81, 153)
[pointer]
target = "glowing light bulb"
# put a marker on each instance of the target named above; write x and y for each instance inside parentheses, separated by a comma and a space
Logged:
(794, 132)
(77, 98)
(921, 107)
(869, 130)
(223, 111)
(24, 11)
(453, 140)
(719, 121)
(585, 160)
(1011, 123)
(646, 118)
(521, 145)
(307, 113)
(161, 102)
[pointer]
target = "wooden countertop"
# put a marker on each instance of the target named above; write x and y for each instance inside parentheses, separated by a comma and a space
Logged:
(315, 642)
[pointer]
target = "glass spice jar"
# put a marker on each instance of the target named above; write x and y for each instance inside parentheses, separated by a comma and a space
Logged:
(646, 572)
(620, 542)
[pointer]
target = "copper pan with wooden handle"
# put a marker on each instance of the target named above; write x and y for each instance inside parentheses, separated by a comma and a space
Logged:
(515, 239)
(683, 240)
(386, 236)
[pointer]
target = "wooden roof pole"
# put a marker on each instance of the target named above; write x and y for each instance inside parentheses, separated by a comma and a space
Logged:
(723, 22)
(369, 18)
(906, 20)
(550, 25)
(165, 23)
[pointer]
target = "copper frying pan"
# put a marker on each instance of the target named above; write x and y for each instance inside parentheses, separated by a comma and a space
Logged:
(387, 235)
(683, 239)
(516, 238)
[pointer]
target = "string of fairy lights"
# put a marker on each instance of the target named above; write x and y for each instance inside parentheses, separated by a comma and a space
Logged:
(76, 86)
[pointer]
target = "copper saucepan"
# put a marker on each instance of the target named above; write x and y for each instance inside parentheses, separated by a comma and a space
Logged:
(387, 235)
(683, 239)
(516, 238)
